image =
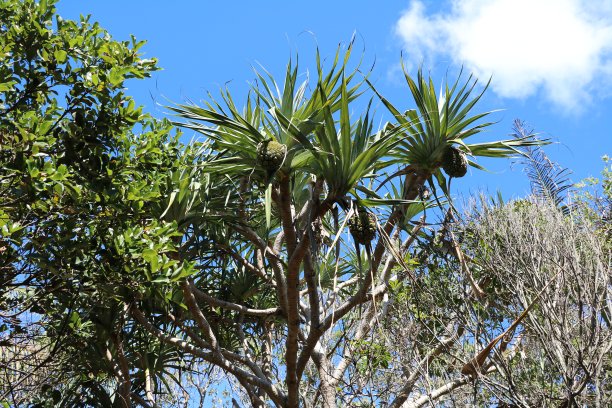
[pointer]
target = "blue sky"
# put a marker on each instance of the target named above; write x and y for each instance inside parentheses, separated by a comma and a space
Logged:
(550, 60)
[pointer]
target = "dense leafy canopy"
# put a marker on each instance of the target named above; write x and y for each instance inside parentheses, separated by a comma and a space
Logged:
(83, 175)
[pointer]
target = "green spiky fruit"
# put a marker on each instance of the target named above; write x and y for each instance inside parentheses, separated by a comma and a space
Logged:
(270, 155)
(363, 227)
(454, 162)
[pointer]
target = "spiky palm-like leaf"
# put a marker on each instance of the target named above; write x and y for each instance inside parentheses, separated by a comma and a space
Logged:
(344, 153)
(447, 119)
(321, 140)
(270, 114)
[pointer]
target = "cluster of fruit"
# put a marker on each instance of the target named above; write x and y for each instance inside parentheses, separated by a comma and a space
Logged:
(454, 162)
(362, 226)
(271, 155)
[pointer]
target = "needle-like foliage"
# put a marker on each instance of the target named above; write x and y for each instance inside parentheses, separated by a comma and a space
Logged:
(549, 181)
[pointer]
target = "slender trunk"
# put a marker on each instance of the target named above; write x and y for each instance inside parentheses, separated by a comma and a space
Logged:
(266, 364)
(124, 390)
(326, 387)
(293, 269)
(149, 386)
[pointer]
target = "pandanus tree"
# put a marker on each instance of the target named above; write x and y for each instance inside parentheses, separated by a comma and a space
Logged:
(287, 293)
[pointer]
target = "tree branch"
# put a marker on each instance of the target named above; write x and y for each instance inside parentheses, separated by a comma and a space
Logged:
(213, 301)
(198, 316)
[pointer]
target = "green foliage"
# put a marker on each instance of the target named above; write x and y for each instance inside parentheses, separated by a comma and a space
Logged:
(371, 356)
(82, 171)
(140, 256)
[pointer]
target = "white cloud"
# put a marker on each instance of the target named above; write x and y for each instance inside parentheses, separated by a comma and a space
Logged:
(562, 47)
